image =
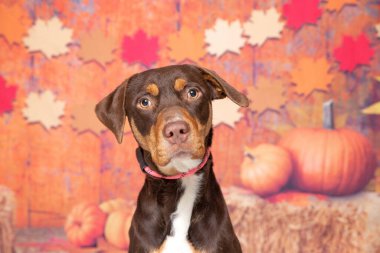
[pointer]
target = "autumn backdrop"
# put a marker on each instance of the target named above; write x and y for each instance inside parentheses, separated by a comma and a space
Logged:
(58, 58)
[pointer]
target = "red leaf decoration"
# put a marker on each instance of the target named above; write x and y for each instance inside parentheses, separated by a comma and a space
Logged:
(7, 95)
(300, 12)
(353, 52)
(140, 48)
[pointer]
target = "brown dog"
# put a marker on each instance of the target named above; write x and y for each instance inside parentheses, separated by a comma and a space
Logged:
(180, 208)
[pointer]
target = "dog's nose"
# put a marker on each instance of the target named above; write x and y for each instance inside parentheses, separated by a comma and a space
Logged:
(176, 132)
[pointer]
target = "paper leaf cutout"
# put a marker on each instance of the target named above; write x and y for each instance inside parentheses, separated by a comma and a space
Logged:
(49, 37)
(43, 108)
(224, 37)
(140, 48)
(186, 45)
(225, 112)
(84, 118)
(310, 74)
(336, 5)
(262, 26)
(377, 27)
(7, 95)
(353, 52)
(14, 23)
(95, 45)
(300, 12)
(266, 89)
(372, 109)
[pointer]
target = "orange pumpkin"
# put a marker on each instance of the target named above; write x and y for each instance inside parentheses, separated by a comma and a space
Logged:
(84, 224)
(117, 228)
(265, 169)
(114, 205)
(330, 161)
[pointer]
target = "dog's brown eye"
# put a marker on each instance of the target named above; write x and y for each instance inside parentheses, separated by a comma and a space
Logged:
(145, 102)
(193, 93)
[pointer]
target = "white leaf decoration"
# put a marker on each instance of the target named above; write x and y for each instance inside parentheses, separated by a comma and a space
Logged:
(225, 111)
(43, 108)
(49, 37)
(263, 25)
(377, 27)
(224, 37)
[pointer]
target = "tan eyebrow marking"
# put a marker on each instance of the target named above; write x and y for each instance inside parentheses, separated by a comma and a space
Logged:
(152, 89)
(179, 84)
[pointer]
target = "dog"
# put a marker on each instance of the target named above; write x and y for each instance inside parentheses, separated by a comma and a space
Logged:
(180, 208)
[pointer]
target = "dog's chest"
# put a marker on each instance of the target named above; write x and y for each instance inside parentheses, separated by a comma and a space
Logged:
(180, 219)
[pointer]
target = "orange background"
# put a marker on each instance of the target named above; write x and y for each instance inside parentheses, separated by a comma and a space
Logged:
(52, 170)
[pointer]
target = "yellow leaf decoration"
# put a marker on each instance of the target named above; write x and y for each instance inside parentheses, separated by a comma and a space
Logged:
(186, 45)
(372, 109)
(310, 74)
(95, 45)
(336, 5)
(266, 95)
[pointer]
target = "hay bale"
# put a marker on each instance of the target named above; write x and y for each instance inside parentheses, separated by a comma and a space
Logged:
(325, 227)
(7, 205)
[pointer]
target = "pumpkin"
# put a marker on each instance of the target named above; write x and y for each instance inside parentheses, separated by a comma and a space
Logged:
(117, 228)
(265, 169)
(84, 224)
(113, 205)
(328, 160)
(296, 198)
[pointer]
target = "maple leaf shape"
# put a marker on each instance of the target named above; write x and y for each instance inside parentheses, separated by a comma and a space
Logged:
(140, 48)
(336, 5)
(84, 118)
(14, 23)
(300, 12)
(43, 108)
(266, 89)
(95, 45)
(187, 44)
(49, 37)
(225, 112)
(353, 52)
(310, 74)
(262, 26)
(224, 37)
(7, 95)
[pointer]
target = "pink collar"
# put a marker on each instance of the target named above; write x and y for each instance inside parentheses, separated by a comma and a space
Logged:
(145, 168)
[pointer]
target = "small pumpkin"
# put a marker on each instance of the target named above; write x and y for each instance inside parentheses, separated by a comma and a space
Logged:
(265, 169)
(329, 161)
(84, 224)
(113, 205)
(296, 198)
(117, 228)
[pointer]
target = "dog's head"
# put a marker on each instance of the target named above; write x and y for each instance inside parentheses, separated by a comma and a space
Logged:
(169, 111)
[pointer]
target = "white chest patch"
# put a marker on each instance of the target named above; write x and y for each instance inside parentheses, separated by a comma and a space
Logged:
(177, 241)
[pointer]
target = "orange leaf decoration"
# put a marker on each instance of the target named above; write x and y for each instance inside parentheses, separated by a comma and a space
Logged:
(84, 118)
(265, 89)
(14, 23)
(310, 74)
(95, 45)
(187, 44)
(336, 5)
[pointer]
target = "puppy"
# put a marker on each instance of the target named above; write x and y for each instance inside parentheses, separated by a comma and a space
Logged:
(180, 208)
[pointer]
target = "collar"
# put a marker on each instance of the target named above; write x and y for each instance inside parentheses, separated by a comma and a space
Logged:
(145, 168)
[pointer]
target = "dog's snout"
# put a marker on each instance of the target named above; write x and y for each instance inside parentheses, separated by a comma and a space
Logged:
(176, 132)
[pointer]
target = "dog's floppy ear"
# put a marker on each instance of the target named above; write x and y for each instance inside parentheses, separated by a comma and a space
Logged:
(111, 111)
(223, 89)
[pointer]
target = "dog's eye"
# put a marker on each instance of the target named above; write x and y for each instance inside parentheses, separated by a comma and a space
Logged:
(145, 103)
(193, 93)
